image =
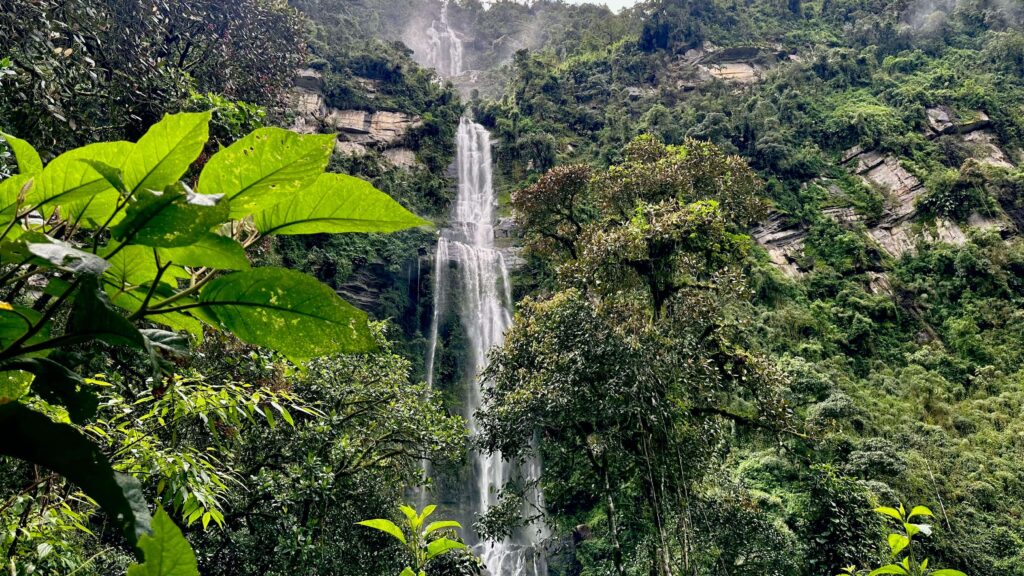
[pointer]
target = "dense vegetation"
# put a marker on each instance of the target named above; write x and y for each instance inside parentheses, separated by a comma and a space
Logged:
(702, 404)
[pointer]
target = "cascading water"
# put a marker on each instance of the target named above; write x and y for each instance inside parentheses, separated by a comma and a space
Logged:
(470, 273)
(444, 52)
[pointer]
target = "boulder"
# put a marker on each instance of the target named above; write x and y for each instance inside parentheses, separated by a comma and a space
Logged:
(940, 120)
(737, 72)
(943, 120)
(350, 148)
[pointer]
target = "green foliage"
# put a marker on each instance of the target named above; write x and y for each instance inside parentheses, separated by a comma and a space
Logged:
(93, 300)
(90, 70)
(421, 543)
(902, 545)
(166, 551)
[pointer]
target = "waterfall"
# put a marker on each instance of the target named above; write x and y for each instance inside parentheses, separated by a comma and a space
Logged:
(480, 289)
(471, 277)
(444, 51)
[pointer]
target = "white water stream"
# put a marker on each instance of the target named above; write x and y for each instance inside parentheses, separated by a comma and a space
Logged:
(470, 273)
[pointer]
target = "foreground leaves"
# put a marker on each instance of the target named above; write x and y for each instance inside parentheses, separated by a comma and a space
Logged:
(64, 450)
(166, 551)
(283, 310)
(337, 204)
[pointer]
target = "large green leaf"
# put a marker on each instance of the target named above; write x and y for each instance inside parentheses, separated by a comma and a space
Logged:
(441, 525)
(15, 322)
(336, 204)
(31, 436)
(166, 552)
(28, 159)
(93, 318)
(265, 168)
(11, 191)
(287, 311)
(386, 526)
(163, 155)
(212, 251)
(442, 545)
(170, 219)
(133, 267)
(67, 179)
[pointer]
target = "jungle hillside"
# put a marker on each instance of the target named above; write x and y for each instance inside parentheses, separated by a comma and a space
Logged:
(511, 288)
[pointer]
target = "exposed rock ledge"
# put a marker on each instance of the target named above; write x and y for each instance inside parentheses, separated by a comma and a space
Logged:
(359, 131)
(784, 242)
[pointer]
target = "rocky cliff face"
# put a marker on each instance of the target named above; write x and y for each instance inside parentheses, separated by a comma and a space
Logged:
(900, 229)
(359, 132)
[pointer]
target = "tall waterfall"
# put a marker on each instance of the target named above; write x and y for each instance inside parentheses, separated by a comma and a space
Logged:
(470, 275)
(445, 48)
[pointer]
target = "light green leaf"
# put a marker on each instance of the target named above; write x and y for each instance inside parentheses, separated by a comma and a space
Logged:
(946, 572)
(163, 155)
(135, 266)
(897, 542)
(442, 545)
(426, 512)
(12, 190)
(13, 385)
(409, 511)
(892, 512)
(441, 525)
(111, 174)
(408, 572)
(210, 251)
(336, 204)
(68, 180)
(265, 168)
(385, 526)
(166, 551)
(920, 511)
(280, 309)
(890, 569)
(28, 159)
(170, 219)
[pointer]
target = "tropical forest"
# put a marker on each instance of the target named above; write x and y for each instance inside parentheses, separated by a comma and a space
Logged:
(511, 287)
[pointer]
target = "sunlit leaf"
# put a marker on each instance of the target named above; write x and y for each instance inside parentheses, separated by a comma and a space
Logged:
(385, 526)
(163, 155)
(28, 159)
(265, 167)
(166, 551)
(280, 309)
(336, 204)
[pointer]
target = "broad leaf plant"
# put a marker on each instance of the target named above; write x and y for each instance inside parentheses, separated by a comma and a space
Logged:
(112, 243)
(422, 542)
